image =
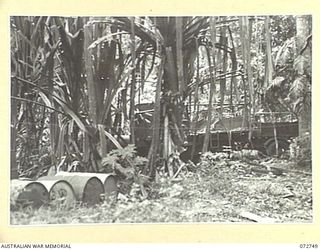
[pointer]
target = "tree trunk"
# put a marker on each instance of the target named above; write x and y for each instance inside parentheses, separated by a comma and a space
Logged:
(224, 44)
(303, 31)
(212, 84)
(234, 67)
(195, 115)
(248, 31)
(13, 161)
(91, 83)
(269, 64)
(242, 23)
(133, 81)
(155, 144)
(179, 46)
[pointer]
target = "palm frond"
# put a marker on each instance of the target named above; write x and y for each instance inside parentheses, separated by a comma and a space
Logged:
(105, 38)
(71, 114)
(285, 54)
(299, 87)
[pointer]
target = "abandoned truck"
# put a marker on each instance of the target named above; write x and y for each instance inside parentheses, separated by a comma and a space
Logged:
(269, 133)
(269, 137)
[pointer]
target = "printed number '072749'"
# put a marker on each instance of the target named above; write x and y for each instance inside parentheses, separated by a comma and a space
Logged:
(309, 246)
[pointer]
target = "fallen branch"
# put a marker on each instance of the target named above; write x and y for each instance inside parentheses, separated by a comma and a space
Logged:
(275, 169)
(178, 171)
(257, 218)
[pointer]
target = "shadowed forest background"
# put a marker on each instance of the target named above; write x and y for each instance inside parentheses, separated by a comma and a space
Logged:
(172, 106)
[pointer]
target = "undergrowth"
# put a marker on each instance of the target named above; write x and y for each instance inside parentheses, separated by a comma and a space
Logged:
(218, 190)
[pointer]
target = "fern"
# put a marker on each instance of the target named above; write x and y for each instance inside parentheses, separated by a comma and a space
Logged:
(110, 163)
(125, 153)
(118, 160)
(277, 82)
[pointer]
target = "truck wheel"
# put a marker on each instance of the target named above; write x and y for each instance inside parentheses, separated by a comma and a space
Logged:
(271, 148)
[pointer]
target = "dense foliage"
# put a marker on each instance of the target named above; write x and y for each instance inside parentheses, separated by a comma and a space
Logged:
(76, 81)
(123, 95)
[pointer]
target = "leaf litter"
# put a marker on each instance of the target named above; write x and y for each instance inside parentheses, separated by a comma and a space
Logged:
(219, 189)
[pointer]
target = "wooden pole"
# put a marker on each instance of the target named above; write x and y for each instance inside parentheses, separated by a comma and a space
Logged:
(133, 81)
(179, 45)
(195, 105)
(212, 84)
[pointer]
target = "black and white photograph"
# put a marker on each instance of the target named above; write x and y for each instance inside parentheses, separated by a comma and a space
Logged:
(160, 119)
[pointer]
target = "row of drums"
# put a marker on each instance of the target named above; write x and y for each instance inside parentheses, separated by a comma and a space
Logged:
(65, 189)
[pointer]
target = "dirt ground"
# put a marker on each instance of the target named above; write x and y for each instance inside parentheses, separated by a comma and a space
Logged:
(219, 189)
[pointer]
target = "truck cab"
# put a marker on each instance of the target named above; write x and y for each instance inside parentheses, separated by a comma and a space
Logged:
(273, 131)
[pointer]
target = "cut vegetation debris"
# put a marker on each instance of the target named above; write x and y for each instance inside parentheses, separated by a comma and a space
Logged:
(219, 190)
